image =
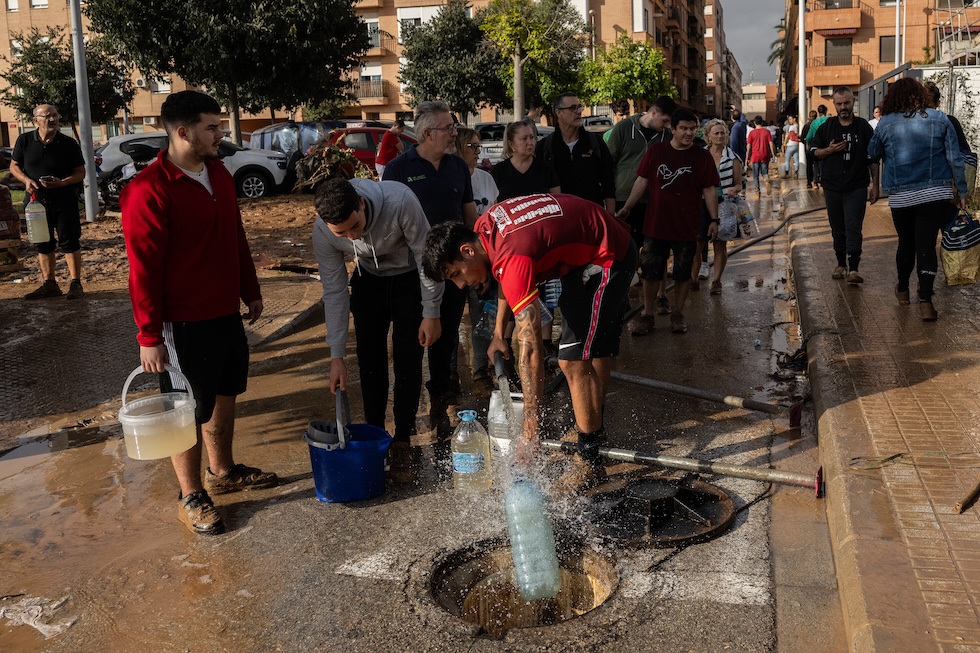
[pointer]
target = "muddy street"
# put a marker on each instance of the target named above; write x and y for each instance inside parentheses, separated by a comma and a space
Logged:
(86, 524)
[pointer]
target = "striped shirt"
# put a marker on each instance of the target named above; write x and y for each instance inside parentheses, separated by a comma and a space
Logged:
(907, 198)
(726, 170)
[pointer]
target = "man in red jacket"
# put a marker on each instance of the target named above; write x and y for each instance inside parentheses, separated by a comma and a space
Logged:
(190, 266)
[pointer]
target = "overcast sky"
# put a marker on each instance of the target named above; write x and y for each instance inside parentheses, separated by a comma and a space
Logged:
(750, 26)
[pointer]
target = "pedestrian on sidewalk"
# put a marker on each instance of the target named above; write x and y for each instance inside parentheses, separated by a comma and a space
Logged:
(50, 165)
(921, 167)
(810, 163)
(760, 152)
(189, 269)
(674, 176)
(522, 242)
(791, 145)
(841, 144)
(730, 176)
(380, 225)
(815, 122)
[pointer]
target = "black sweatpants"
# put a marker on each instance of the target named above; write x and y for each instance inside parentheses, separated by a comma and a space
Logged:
(917, 228)
(379, 304)
(845, 210)
(441, 353)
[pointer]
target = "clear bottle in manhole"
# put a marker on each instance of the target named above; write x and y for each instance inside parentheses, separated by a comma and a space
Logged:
(532, 541)
(471, 454)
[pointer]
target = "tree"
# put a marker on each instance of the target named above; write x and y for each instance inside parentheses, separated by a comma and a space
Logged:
(626, 69)
(449, 59)
(44, 73)
(276, 53)
(549, 36)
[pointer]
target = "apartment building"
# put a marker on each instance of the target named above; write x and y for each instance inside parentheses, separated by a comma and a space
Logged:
(723, 80)
(853, 42)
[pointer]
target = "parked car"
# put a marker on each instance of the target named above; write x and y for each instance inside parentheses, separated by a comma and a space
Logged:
(365, 141)
(294, 139)
(492, 138)
(257, 173)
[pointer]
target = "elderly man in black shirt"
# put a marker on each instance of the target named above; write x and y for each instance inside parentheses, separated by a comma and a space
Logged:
(51, 167)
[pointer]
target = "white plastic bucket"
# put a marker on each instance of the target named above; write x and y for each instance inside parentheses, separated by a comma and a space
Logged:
(161, 425)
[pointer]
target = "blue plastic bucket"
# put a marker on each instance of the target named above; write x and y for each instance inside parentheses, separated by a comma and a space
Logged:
(353, 473)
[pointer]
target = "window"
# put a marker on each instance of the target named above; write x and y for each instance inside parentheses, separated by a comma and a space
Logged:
(359, 141)
(838, 52)
(709, 100)
(159, 86)
(11, 5)
(710, 78)
(39, 4)
(415, 16)
(646, 19)
(374, 33)
(708, 10)
(709, 32)
(16, 48)
(886, 49)
(709, 55)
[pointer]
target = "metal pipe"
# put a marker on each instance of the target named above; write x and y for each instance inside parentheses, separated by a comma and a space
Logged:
(704, 466)
(738, 402)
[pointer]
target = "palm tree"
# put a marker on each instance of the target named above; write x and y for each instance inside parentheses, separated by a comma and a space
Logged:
(777, 50)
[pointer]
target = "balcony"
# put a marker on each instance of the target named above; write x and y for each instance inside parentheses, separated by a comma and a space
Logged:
(372, 92)
(381, 44)
(836, 71)
(829, 15)
(673, 18)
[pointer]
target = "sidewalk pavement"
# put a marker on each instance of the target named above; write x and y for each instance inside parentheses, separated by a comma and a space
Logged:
(289, 299)
(887, 384)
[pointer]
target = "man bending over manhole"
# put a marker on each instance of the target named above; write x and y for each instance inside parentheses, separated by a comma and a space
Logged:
(524, 241)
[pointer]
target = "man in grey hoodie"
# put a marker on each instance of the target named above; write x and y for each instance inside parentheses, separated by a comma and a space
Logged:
(381, 226)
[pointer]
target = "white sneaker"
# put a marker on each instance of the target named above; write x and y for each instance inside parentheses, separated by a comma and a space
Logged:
(704, 272)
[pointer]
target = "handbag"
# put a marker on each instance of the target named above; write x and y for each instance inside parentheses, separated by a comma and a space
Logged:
(743, 213)
(960, 251)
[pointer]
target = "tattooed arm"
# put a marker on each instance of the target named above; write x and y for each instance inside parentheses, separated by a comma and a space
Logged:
(531, 365)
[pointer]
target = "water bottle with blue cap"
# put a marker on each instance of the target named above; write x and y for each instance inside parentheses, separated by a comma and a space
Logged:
(471, 454)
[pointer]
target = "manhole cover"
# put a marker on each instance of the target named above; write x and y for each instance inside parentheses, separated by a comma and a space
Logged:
(662, 513)
(477, 584)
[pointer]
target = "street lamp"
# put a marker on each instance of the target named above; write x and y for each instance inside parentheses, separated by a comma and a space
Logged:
(592, 25)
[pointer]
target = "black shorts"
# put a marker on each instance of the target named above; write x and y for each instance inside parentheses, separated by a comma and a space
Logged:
(212, 354)
(62, 217)
(655, 255)
(593, 302)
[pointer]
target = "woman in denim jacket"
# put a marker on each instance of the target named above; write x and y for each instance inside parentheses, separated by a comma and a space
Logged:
(921, 166)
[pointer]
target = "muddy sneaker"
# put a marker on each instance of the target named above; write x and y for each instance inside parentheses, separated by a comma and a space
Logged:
(196, 512)
(642, 325)
(839, 272)
(75, 290)
(238, 478)
(715, 287)
(704, 272)
(677, 323)
(663, 305)
(854, 277)
(48, 289)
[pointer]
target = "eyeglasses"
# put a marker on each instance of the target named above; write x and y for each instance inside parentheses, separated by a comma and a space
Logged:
(449, 128)
(476, 147)
(48, 116)
(577, 108)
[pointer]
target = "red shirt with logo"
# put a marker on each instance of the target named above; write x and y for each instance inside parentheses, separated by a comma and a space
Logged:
(676, 180)
(388, 149)
(534, 238)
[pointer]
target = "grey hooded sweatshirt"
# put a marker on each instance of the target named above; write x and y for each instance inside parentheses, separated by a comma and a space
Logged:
(391, 244)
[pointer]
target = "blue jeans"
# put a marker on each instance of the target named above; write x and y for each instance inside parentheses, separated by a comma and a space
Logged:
(793, 153)
(760, 171)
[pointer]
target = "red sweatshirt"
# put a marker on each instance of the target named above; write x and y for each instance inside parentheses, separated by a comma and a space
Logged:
(188, 256)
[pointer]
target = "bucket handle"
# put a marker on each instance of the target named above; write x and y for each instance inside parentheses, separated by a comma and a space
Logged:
(169, 368)
(342, 413)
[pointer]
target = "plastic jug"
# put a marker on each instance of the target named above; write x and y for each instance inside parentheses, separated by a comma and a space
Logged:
(471, 454)
(37, 221)
(532, 541)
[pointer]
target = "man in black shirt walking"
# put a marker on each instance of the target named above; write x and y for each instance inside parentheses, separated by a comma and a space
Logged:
(841, 143)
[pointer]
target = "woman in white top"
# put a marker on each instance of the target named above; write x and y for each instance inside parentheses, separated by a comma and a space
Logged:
(730, 172)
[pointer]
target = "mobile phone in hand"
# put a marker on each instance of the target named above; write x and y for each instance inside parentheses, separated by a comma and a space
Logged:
(49, 178)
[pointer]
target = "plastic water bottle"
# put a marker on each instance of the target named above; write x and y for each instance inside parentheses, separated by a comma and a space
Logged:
(37, 221)
(532, 541)
(471, 454)
(500, 433)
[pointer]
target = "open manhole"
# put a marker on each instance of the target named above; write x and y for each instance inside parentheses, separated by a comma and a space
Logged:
(478, 585)
(662, 513)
